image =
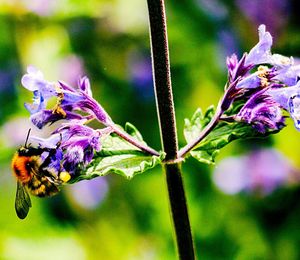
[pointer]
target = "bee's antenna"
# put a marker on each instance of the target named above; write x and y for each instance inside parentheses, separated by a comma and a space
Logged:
(27, 136)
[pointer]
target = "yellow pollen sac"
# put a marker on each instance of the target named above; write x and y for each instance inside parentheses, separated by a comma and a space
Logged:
(264, 82)
(64, 176)
(262, 73)
(57, 108)
(59, 111)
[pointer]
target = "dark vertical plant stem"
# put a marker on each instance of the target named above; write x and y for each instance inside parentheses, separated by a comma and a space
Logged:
(166, 116)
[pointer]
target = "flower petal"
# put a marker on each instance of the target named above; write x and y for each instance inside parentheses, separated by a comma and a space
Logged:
(294, 109)
(261, 52)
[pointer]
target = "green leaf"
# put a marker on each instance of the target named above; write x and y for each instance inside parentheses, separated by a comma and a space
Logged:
(119, 157)
(131, 129)
(223, 134)
(127, 165)
(193, 127)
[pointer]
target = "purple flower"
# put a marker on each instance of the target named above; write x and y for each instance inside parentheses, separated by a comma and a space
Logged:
(288, 99)
(140, 74)
(261, 52)
(260, 78)
(262, 112)
(237, 68)
(241, 81)
(46, 116)
(288, 74)
(266, 82)
(81, 99)
(294, 109)
(239, 174)
(80, 142)
(69, 67)
(245, 87)
(75, 144)
(42, 90)
(54, 160)
(77, 134)
(282, 69)
(89, 194)
(71, 103)
(274, 13)
(283, 94)
(73, 141)
(42, 7)
(34, 81)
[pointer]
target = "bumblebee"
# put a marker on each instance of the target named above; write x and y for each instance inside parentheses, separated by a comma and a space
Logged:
(34, 176)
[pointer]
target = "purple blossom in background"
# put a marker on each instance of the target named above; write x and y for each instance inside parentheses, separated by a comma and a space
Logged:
(261, 171)
(8, 73)
(273, 13)
(7, 76)
(69, 68)
(140, 74)
(227, 44)
(12, 131)
(89, 194)
(229, 175)
(41, 7)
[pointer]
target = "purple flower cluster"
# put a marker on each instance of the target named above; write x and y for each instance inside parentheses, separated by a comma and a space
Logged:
(267, 84)
(74, 141)
(69, 100)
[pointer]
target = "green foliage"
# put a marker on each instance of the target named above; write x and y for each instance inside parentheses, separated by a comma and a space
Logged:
(120, 157)
(223, 134)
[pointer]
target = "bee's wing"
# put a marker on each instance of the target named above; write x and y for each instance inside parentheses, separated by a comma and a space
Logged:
(22, 202)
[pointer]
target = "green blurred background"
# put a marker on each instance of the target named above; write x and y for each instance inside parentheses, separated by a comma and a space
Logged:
(249, 215)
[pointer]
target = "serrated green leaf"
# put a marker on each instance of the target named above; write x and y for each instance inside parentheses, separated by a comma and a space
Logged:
(193, 127)
(119, 157)
(223, 134)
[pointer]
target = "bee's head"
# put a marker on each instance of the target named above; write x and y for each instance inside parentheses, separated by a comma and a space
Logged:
(29, 151)
(23, 151)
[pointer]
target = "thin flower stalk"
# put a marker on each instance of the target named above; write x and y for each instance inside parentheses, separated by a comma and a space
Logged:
(134, 141)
